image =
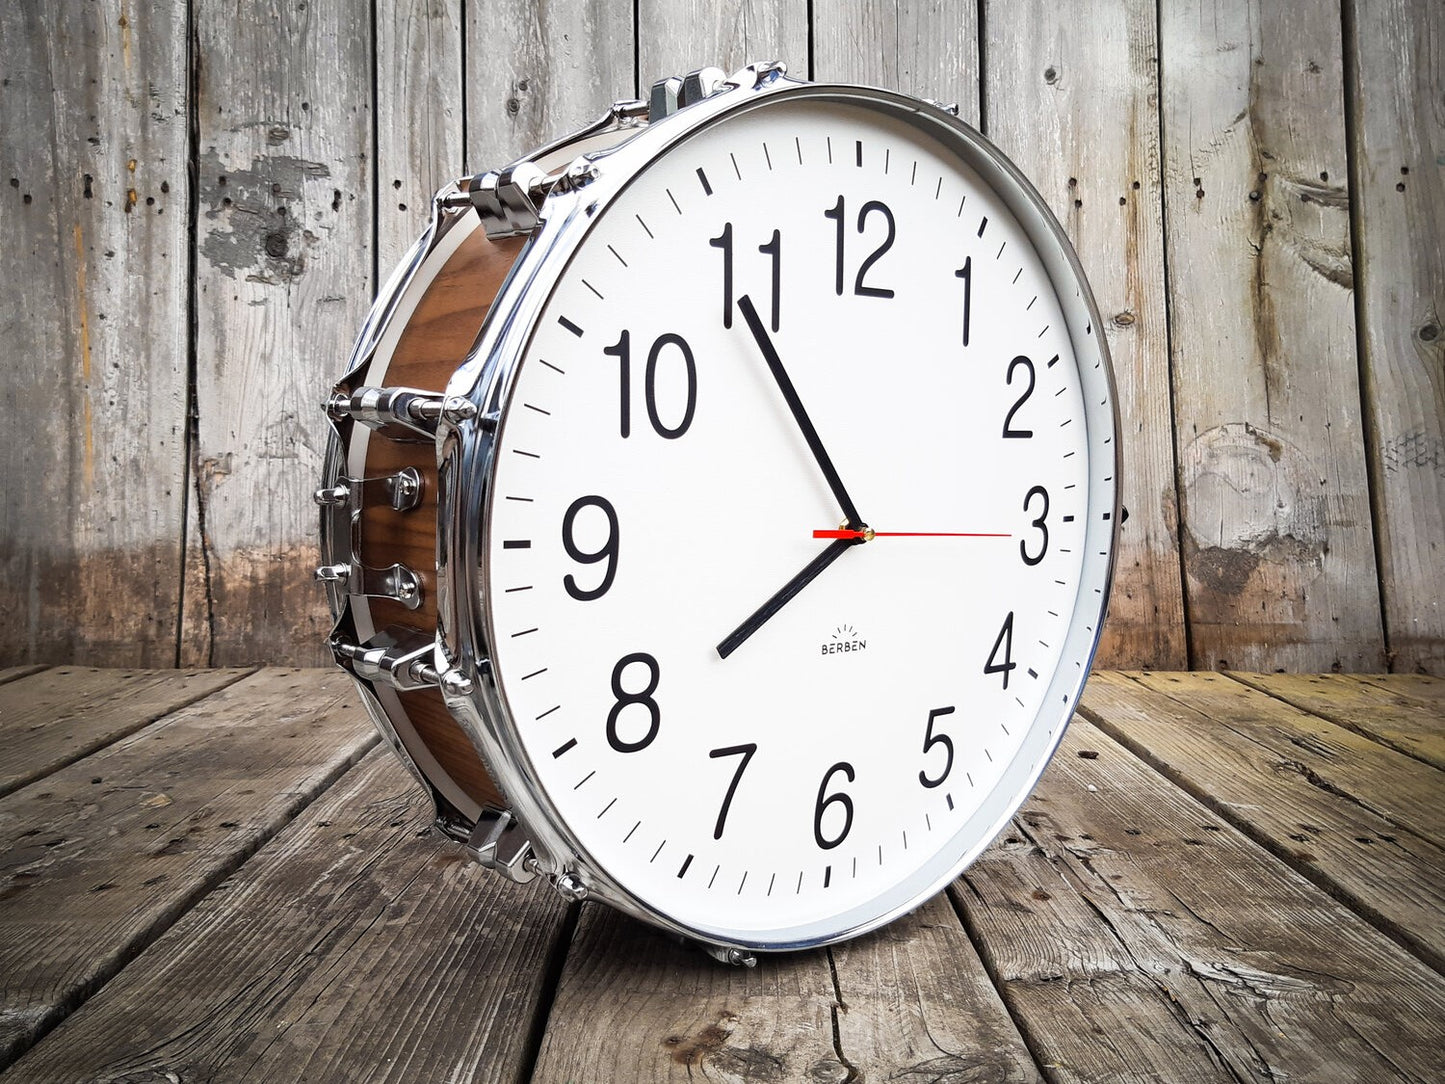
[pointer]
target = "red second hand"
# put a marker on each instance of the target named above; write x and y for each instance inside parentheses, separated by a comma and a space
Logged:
(846, 533)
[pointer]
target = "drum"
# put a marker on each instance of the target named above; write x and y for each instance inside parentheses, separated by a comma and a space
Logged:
(379, 508)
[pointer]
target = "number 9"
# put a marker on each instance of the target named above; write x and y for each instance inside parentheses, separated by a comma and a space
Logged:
(607, 553)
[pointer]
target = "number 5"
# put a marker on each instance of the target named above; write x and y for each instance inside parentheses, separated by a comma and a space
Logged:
(930, 739)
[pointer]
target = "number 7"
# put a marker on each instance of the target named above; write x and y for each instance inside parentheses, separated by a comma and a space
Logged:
(746, 752)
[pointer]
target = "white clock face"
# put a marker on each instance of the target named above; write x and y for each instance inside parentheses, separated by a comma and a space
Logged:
(794, 774)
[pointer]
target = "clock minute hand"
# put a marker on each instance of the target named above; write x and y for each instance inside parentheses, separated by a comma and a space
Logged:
(805, 424)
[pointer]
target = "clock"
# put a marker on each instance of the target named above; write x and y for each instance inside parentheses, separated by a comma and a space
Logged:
(775, 506)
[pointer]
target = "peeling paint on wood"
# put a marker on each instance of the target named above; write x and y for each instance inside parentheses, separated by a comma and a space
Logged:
(284, 108)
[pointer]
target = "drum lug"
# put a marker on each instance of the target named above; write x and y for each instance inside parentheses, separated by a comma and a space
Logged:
(400, 413)
(397, 656)
(401, 490)
(396, 582)
(499, 842)
(507, 200)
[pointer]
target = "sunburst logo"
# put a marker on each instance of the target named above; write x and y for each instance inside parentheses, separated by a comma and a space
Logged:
(844, 641)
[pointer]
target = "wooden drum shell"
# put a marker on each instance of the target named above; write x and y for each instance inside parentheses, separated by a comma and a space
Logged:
(453, 287)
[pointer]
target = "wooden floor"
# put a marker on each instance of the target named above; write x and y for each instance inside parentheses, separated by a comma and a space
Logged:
(219, 876)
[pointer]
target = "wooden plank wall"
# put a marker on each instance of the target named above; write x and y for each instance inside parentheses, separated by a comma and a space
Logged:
(199, 199)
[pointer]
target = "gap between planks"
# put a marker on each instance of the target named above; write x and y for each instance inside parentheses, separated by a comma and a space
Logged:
(1354, 817)
(114, 848)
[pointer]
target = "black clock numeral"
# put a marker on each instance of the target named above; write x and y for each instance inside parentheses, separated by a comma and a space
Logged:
(966, 273)
(626, 699)
(931, 740)
(1033, 559)
(773, 248)
(746, 752)
(825, 800)
(622, 351)
(607, 552)
(837, 214)
(1006, 641)
(1008, 421)
(724, 241)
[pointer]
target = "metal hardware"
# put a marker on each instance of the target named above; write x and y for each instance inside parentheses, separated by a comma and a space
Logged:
(398, 412)
(755, 75)
(507, 199)
(671, 94)
(663, 100)
(397, 656)
(396, 582)
(699, 84)
(729, 955)
(570, 887)
(401, 490)
(499, 842)
(951, 108)
(456, 683)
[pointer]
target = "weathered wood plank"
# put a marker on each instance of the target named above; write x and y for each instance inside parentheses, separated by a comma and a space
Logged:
(1137, 938)
(912, 1000)
(631, 1005)
(354, 946)
(106, 854)
(1402, 722)
(536, 72)
(1397, 132)
(56, 717)
(1308, 796)
(1277, 547)
(420, 103)
(93, 225)
(676, 38)
(15, 673)
(915, 48)
(915, 1003)
(1403, 790)
(1420, 686)
(1073, 99)
(284, 244)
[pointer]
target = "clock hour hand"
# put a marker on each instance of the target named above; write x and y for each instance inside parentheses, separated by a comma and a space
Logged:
(790, 394)
(760, 616)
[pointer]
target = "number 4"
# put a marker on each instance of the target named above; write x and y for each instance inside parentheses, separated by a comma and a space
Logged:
(1006, 641)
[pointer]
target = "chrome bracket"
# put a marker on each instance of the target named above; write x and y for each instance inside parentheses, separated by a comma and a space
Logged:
(674, 93)
(395, 582)
(397, 656)
(507, 200)
(399, 413)
(499, 842)
(401, 490)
